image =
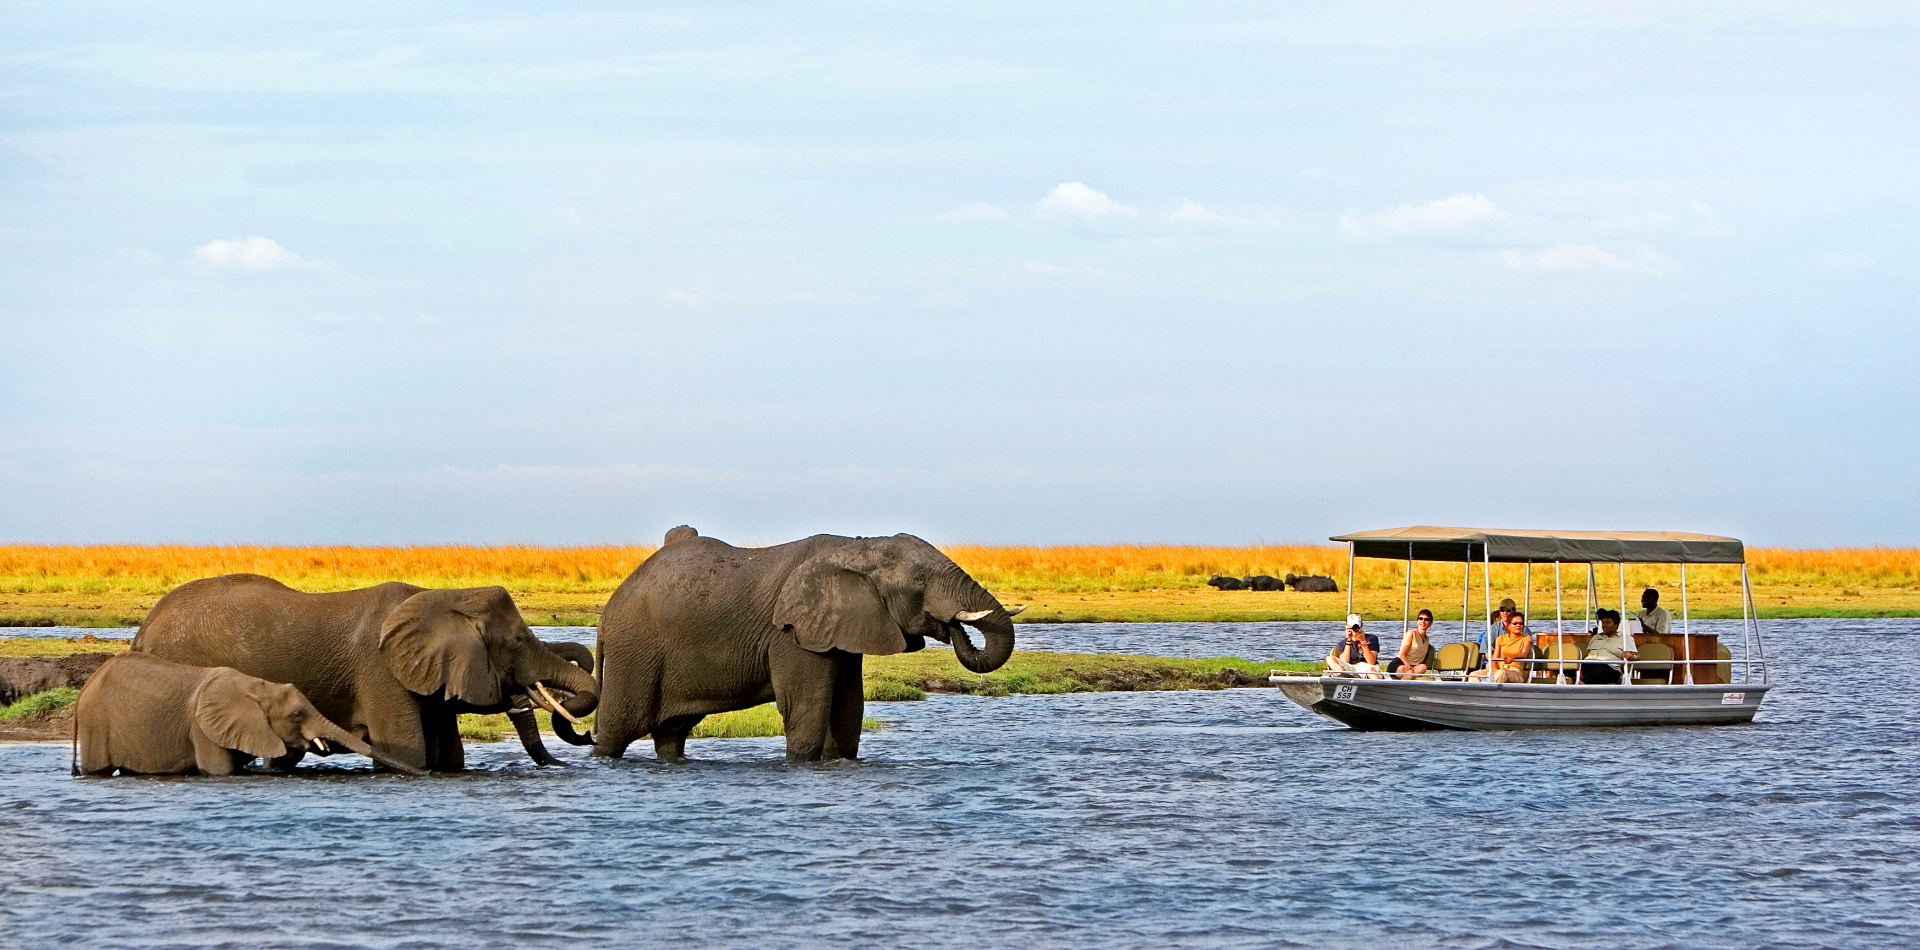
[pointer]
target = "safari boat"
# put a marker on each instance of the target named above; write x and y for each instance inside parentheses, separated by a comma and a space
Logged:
(1681, 678)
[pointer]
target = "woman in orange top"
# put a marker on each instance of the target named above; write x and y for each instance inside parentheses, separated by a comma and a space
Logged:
(1512, 646)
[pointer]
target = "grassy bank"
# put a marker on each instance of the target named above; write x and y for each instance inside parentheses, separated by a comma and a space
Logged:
(113, 586)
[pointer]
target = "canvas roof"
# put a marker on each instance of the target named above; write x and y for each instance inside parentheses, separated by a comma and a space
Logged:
(1503, 545)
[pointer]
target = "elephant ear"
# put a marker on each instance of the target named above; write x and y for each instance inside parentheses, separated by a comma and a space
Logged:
(226, 708)
(830, 606)
(436, 641)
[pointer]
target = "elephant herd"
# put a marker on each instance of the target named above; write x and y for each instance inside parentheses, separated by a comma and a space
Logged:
(230, 669)
(1310, 584)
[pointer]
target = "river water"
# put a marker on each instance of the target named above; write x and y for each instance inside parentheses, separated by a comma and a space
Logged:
(1194, 819)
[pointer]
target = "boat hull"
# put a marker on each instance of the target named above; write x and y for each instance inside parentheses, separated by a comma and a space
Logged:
(1413, 705)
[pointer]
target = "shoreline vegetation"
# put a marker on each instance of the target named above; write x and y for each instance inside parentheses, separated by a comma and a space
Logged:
(907, 677)
(114, 585)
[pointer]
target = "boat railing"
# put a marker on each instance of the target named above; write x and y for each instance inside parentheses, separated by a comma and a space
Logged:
(1563, 665)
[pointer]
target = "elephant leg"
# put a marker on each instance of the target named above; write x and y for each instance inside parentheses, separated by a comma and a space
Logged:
(803, 690)
(285, 763)
(442, 732)
(670, 738)
(849, 707)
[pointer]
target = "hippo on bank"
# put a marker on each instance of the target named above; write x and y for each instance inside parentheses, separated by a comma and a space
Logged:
(1313, 584)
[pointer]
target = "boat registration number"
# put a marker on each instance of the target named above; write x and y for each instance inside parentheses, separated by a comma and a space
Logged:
(1732, 699)
(1346, 692)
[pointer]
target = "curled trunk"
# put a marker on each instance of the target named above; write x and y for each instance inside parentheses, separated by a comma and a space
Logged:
(997, 631)
(960, 594)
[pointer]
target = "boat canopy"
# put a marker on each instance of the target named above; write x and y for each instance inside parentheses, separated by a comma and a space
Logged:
(1512, 546)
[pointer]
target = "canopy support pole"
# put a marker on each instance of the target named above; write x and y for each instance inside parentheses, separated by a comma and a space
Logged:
(1466, 592)
(1559, 628)
(1686, 630)
(1746, 626)
(1486, 580)
(1406, 594)
(1349, 577)
(1759, 639)
(1526, 595)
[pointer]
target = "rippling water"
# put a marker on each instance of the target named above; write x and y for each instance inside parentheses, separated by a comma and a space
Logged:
(1207, 819)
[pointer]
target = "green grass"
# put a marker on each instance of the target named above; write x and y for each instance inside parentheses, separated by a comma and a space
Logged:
(1036, 673)
(38, 705)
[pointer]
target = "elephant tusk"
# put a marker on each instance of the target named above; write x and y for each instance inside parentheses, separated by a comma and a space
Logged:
(1016, 610)
(319, 743)
(553, 705)
(971, 616)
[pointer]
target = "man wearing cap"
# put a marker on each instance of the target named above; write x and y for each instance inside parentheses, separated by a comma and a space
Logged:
(1358, 653)
(1507, 609)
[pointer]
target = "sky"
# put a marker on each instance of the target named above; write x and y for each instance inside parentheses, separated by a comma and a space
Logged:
(1221, 273)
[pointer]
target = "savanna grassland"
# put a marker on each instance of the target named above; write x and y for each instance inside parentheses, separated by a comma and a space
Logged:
(114, 585)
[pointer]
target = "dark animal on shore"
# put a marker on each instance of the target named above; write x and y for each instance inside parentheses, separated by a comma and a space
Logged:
(145, 716)
(703, 627)
(395, 665)
(1264, 582)
(1313, 584)
(22, 676)
(1226, 583)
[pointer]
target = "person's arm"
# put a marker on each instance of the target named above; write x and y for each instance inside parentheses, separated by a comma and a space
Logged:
(1372, 655)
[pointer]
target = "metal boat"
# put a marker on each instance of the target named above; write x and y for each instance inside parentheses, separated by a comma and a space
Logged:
(1698, 688)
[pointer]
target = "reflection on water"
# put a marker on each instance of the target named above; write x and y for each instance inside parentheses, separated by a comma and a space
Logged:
(1207, 819)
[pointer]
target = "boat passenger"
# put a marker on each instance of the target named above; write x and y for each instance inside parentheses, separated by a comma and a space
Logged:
(1499, 626)
(1606, 651)
(1358, 653)
(1653, 617)
(1513, 646)
(1412, 660)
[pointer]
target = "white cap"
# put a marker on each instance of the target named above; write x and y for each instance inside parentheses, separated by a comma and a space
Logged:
(1353, 620)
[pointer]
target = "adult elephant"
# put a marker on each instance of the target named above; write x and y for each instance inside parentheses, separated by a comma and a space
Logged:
(703, 627)
(393, 664)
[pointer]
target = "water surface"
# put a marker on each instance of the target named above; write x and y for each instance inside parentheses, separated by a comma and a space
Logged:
(1202, 819)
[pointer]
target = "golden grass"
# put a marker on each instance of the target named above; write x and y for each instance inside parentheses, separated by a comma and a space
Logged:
(114, 585)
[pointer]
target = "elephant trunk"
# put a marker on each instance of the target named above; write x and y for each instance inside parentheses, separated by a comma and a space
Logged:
(330, 734)
(997, 630)
(528, 728)
(959, 599)
(585, 690)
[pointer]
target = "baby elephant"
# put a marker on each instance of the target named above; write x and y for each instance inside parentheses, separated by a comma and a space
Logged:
(142, 715)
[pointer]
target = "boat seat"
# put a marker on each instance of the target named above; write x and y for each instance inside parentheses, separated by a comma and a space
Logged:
(1655, 665)
(1456, 657)
(1561, 658)
(1725, 667)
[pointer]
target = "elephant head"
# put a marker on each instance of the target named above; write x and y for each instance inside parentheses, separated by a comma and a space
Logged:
(271, 720)
(888, 595)
(473, 647)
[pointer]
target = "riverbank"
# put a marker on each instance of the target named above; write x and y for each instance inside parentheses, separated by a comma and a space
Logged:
(115, 585)
(903, 678)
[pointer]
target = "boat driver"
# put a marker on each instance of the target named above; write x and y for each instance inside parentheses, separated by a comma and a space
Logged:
(1608, 648)
(1653, 617)
(1358, 653)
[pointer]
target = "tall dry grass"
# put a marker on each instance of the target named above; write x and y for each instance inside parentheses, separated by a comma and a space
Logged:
(153, 569)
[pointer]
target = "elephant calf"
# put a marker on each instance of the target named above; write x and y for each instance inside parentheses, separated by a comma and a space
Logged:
(142, 715)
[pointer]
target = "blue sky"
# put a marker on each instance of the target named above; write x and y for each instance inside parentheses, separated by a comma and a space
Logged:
(1020, 273)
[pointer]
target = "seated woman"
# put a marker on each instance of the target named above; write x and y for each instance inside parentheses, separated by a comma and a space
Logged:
(1358, 653)
(1608, 648)
(1514, 645)
(1412, 660)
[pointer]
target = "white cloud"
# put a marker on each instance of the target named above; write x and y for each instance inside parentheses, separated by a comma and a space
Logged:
(1645, 220)
(1076, 199)
(251, 253)
(1447, 214)
(976, 213)
(1042, 267)
(1845, 265)
(691, 298)
(1563, 257)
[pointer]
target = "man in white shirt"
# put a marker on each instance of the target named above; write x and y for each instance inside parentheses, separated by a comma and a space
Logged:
(1653, 617)
(1609, 647)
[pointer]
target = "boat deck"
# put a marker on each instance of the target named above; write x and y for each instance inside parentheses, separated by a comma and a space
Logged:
(1409, 705)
